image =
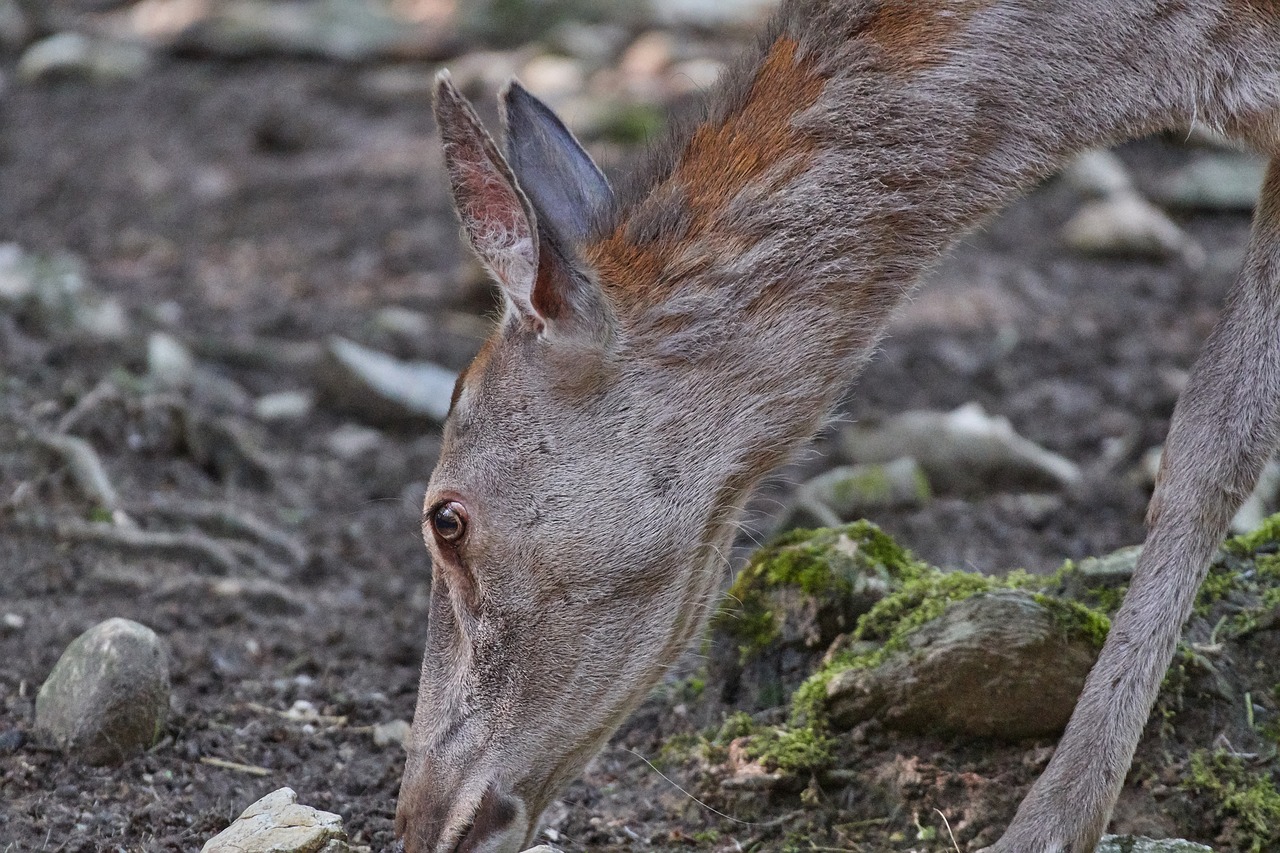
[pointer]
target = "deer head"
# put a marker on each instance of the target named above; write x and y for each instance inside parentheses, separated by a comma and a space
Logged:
(574, 551)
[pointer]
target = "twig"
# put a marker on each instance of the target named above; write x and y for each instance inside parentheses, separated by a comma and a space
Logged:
(947, 824)
(100, 393)
(222, 763)
(87, 471)
(223, 518)
(187, 546)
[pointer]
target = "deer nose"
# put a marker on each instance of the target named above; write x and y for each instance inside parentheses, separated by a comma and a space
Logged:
(498, 824)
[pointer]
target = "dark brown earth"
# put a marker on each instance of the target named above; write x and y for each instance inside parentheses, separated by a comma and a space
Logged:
(286, 201)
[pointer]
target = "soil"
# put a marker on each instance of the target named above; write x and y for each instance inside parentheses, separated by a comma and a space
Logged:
(287, 201)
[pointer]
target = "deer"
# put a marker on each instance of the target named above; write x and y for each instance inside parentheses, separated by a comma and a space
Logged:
(667, 343)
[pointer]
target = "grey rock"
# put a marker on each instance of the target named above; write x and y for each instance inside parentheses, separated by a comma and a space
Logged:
(999, 664)
(852, 491)
(395, 731)
(95, 58)
(543, 848)
(278, 824)
(1098, 172)
(54, 290)
(1262, 501)
(1112, 570)
(340, 30)
(1127, 225)
(284, 405)
(12, 623)
(169, 363)
(381, 389)
(965, 451)
(1134, 844)
(350, 441)
(226, 447)
(108, 696)
(1222, 183)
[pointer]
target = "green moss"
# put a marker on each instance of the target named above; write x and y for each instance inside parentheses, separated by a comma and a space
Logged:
(1239, 792)
(827, 564)
(1074, 618)
(1265, 538)
(794, 750)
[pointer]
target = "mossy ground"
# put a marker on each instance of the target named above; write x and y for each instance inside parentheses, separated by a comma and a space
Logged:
(1241, 794)
(825, 564)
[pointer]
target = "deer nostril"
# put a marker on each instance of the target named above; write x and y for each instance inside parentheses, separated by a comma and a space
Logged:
(494, 817)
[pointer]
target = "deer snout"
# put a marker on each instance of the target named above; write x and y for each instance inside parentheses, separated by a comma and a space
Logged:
(433, 820)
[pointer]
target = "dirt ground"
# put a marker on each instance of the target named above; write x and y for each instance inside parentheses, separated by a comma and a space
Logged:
(269, 200)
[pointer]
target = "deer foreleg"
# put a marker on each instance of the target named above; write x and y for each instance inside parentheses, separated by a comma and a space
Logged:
(1224, 428)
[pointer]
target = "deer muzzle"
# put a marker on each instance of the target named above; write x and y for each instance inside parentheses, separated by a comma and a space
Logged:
(434, 816)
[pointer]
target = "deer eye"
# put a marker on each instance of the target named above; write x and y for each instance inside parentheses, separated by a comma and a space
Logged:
(449, 522)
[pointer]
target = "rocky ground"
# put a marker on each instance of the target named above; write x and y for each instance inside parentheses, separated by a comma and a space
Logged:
(230, 289)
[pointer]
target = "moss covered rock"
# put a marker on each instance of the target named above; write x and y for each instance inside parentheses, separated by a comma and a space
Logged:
(794, 598)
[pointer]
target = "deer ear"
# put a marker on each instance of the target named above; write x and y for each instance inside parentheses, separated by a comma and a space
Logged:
(542, 286)
(497, 218)
(566, 187)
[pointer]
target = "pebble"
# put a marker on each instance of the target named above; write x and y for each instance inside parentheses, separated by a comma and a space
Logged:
(11, 740)
(12, 623)
(553, 77)
(396, 731)
(1127, 225)
(1098, 172)
(352, 440)
(98, 59)
(964, 452)
(169, 363)
(695, 75)
(711, 14)
(284, 406)
(1227, 183)
(278, 824)
(108, 695)
(854, 491)
(649, 55)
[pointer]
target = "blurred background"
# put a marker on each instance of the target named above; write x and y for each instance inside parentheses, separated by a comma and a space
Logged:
(233, 301)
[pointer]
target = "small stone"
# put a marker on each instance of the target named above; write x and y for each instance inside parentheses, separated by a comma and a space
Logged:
(1127, 225)
(396, 731)
(1112, 570)
(1261, 501)
(403, 322)
(108, 696)
(351, 440)
(1134, 844)
(12, 623)
(169, 363)
(277, 824)
(854, 491)
(76, 54)
(543, 848)
(284, 406)
(649, 55)
(1098, 172)
(553, 77)
(964, 452)
(1230, 183)
(381, 389)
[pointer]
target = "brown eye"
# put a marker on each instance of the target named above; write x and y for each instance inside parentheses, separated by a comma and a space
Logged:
(449, 522)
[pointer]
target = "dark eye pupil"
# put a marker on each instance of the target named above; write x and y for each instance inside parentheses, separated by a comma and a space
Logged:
(448, 522)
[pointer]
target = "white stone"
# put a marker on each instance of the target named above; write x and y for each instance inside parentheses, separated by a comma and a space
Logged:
(278, 824)
(1128, 225)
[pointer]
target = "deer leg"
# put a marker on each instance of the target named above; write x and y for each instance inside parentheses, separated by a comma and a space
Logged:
(1224, 428)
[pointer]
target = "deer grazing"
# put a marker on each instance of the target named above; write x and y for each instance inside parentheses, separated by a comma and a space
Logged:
(668, 343)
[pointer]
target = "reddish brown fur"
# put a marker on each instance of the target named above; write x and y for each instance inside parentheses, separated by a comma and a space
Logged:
(913, 35)
(718, 162)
